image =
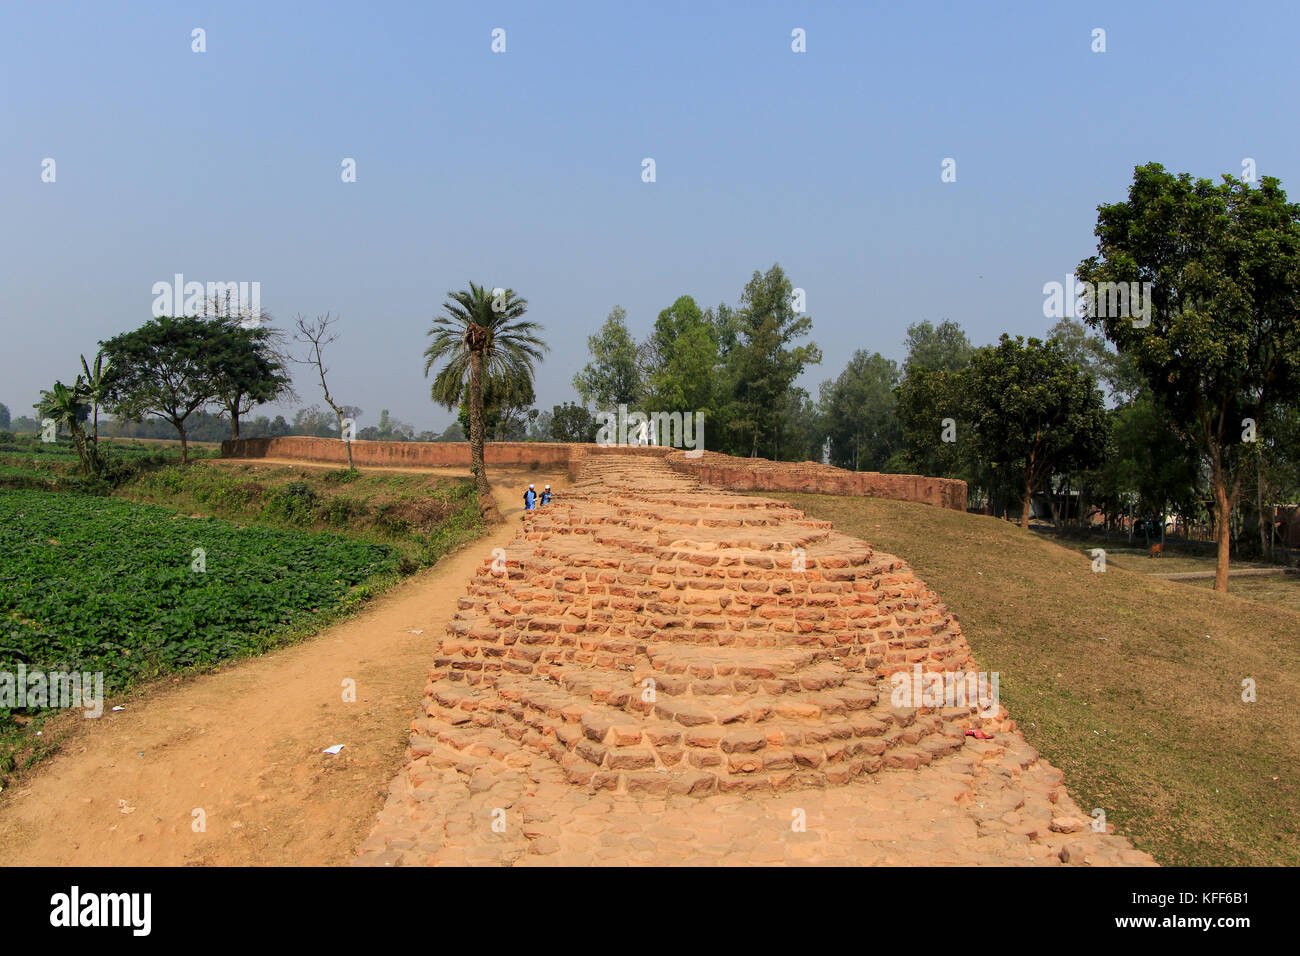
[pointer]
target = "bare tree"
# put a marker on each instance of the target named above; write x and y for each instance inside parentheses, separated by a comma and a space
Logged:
(316, 334)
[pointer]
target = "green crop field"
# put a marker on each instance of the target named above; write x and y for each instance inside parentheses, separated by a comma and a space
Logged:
(102, 584)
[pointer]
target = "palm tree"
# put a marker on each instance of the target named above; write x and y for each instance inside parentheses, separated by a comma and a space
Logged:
(480, 335)
(68, 408)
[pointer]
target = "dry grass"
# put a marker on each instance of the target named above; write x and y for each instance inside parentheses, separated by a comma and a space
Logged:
(1281, 590)
(1130, 684)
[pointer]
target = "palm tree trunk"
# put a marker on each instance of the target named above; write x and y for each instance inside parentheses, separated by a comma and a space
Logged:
(477, 465)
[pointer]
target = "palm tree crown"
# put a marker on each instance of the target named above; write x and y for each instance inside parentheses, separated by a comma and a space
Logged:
(478, 321)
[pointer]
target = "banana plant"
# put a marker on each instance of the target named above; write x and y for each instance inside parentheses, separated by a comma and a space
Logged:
(67, 406)
(96, 388)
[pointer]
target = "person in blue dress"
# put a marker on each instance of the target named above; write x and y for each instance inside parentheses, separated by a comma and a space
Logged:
(546, 495)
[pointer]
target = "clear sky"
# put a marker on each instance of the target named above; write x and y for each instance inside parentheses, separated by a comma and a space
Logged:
(523, 168)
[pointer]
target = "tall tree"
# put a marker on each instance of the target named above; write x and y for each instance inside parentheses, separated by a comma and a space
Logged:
(613, 377)
(1219, 341)
(683, 358)
(763, 362)
(929, 398)
(937, 348)
(1032, 413)
(483, 335)
(162, 369)
(859, 412)
(929, 405)
(5, 420)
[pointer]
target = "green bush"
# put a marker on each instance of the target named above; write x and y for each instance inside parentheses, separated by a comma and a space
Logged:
(342, 475)
(295, 503)
(341, 511)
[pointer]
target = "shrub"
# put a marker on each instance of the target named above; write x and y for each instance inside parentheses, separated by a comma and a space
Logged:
(341, 511)
(342, 475)
(295, 503)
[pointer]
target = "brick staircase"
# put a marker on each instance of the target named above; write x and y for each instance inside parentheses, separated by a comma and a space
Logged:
(651, 636)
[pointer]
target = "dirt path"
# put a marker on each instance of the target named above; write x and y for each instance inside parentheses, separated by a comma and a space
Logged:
(243, 745)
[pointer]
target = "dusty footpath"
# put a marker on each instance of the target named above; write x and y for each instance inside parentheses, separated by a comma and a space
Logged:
(243, 746)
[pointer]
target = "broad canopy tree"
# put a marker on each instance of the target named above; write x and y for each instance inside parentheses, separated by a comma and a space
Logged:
(1032, 412)
(248, 368)
(173, 366)
(163, 368)
(1220, 343)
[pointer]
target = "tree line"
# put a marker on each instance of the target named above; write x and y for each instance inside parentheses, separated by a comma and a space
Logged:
(1188, 406)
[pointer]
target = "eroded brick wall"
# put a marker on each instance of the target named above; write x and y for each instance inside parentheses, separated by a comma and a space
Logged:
(712, 469)
(759, 474)
(395, 453)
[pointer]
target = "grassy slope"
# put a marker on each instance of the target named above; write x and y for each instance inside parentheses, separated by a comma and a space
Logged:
(422, 516)
(1130, 684)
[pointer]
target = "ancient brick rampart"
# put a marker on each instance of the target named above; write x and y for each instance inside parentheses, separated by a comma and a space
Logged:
(760, 474)
(396, 453)
(656, 672)
(712, 469)
(646, 633)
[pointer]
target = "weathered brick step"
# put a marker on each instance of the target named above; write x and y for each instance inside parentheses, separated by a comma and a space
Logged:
(697, 662)
(648, 635)
(692, 518)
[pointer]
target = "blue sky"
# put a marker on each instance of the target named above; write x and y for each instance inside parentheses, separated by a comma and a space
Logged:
(524, 168)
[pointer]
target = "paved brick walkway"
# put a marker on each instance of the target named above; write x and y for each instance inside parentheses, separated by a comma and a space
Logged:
(655, 673)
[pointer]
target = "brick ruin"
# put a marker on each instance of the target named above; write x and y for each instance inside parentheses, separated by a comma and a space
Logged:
(710, 468)
(649, 635)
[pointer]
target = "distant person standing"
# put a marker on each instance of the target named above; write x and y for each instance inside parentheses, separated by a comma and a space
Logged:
(546, 495)
(530, 498)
